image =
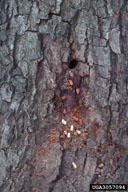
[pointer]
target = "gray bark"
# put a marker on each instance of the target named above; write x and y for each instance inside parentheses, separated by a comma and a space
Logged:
(38, 40)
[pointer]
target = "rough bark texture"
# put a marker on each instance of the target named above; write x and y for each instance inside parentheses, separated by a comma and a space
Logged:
(38, 40)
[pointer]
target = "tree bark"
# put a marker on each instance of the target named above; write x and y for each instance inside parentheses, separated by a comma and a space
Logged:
(63, 94)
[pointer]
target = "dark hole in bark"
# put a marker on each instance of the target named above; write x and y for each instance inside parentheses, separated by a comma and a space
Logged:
(73, 64)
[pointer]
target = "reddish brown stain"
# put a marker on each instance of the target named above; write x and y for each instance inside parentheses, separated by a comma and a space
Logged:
(40, 150)
(105, 145)
(93, 130)
(115, 14)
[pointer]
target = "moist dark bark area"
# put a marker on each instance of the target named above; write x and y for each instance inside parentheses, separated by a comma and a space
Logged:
(63, 94)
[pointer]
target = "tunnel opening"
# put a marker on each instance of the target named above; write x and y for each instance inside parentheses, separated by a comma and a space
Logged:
(73, 63)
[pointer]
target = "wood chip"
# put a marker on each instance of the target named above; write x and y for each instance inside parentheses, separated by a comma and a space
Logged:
(64, 111)
(68, 135)
(101, 165)
(95, 182)
(77, 91)
(78, 131)
(71, 74)
(62, 136)
(64, 122)
(63, 97)
(83, 134)
(65, 132)
(71, 82)
(111, 161)
(75, 133)
(74, 165)
(81, 122)
(92, 151)
(75, 118)
(72, 128)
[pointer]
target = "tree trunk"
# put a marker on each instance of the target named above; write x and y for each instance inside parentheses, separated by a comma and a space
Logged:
(63, 94)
